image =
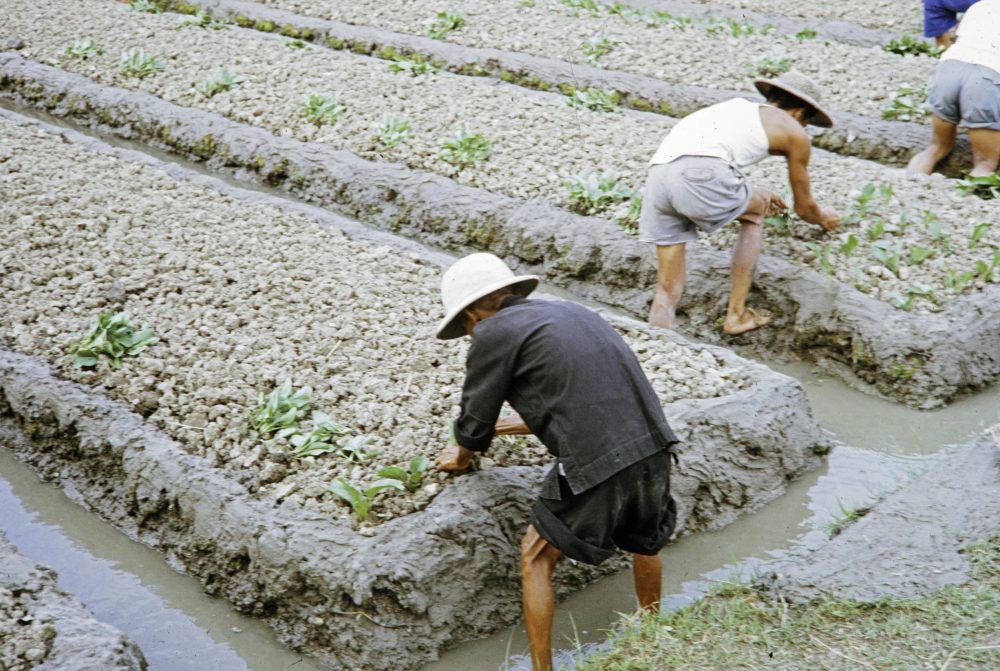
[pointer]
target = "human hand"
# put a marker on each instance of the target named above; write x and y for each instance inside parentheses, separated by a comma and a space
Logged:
(453, 459)
(829, 220)
(775, 204)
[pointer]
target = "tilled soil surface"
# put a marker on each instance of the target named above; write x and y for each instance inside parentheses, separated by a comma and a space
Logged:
(538, 142)
(885, 14)
(242, 298)
(712, 54)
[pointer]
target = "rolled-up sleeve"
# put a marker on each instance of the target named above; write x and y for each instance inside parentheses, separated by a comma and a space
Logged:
(488, 371)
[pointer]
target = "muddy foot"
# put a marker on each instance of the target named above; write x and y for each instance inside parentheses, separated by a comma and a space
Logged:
(748, 321)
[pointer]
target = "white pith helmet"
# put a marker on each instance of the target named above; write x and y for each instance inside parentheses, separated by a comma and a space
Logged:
(471, 278)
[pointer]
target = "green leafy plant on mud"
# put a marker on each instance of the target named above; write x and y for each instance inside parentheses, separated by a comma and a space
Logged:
(822, 253)
(217, 82)
(593, 193)
(908, 44)
(280, 411)
(329, 436)
(626, 215)
(934, 228)
(391, 130)
(770, 65)
(888, 253)
(147, 6)
(848, 243)
(986, 187)
(977, 234)
(415, 65)
(595, 100)
(200, 20)
(297, 44)
(596, 46)
(444, 23)
(920, 254)
(908, 104)
(113, 336)
(361, 499)
(844, 517)
(85, 49)
(575, 6)
(412, 476)
(958, 280)
(321, 109)
(735, 28)
(466, 149)
(806, 33)
(137, 63)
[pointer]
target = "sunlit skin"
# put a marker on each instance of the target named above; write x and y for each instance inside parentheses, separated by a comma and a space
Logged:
(538, 556)
(985, 149)
(786, 136)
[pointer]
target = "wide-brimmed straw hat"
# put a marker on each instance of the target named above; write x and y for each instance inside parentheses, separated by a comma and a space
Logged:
(471, 278)
(803, 88)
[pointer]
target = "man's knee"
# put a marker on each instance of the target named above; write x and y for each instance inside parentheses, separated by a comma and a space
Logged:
(536, 551)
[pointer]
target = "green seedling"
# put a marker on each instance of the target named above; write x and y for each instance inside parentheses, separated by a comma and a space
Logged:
(887, 253)
(822, 253)
(148, 6)
(900, 302)
(876, 230)
(216, 83)
(885, 192)
(356, 448)
(200, 20)
(977, 234)
(113, 336)
(361, 500)
(296, 44)
(934, 228)
(596, 100)
(984, 270)
(958, 281)
(137, 63)
(443, 24)
(907, 105)
(321, 109)
(527, 3)
(415, 65)
(861, 282)
(412, 476)
(735, 28)
(920, 254)
(806, 33)
(596, 46)
(280, 411)
(782, 223)
(320, 439)
(771, 65)
(586, 5)
(867, 193)
(843, 517)
(82, 50)
(391, 130)
(626, 215)
(986, 187)
(466, 149)
(849, 244)
(592, 193)
(907, 44)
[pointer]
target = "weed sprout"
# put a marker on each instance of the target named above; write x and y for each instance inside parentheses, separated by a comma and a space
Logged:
(137, 63)
(596, 100)
(392, 130)
(443, 24)
(113, 336)
(415, 65)
(596, 46)
(806, 33)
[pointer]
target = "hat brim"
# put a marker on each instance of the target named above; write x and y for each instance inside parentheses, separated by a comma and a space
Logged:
(451, 327)
(820, 116)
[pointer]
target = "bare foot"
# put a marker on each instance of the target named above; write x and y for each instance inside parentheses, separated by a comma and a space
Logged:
(748, 321)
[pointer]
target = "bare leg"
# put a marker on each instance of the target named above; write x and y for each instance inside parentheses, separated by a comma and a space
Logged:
(538, 559)
(647, 572)
(670, 270)
(942, 141)
(985, 150)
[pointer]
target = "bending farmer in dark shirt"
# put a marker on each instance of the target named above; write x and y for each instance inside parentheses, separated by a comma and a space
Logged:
(577, 386)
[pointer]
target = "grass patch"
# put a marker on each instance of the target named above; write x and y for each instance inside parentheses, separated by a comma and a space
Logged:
(740, 628)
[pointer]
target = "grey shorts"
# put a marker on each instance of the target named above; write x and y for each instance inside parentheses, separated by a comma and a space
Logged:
(691, 194)
(966, 94)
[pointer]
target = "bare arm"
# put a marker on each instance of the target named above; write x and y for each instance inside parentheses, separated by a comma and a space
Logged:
(512, 425)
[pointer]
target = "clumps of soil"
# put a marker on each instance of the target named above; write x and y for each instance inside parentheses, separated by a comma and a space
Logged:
(242, 298)
(26, 642)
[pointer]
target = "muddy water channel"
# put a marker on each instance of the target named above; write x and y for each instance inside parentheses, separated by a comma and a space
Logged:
(178, 627)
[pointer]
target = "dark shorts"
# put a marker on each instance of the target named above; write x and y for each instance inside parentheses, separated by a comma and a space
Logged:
(940, 16)
(633, 510)
(966, 94)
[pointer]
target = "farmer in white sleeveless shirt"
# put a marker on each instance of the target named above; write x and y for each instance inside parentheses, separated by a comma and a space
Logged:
(696, 185)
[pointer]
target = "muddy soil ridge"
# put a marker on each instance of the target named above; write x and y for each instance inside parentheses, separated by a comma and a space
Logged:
(396, 595)
(910, 543)
(45, 629)
(889, 142)
(922, 360)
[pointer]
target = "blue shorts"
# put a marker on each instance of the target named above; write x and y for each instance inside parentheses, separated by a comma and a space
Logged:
(940, 16)
(966, 94)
